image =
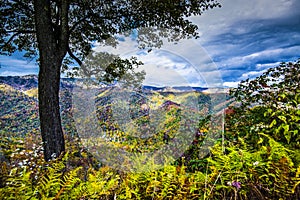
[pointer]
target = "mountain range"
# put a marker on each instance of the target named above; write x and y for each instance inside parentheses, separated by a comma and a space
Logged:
(31, 81)
(19, 103)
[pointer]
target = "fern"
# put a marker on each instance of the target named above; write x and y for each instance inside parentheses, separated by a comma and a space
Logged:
(49, 184)
(17, 185)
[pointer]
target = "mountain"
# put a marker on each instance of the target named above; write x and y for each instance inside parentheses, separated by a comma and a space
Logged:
(188, 88)
(20, 82)
(31, 81)
(19, 104)
(174, 88)
(28, 82)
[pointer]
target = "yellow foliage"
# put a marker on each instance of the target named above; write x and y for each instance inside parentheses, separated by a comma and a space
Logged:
(32, 92)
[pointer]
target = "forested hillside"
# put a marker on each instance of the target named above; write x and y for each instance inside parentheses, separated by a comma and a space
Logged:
(254, 156)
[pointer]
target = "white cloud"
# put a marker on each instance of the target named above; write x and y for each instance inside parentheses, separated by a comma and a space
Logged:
(14, 73)
(232, 84)
(267, 65)
(12, 62)
(265, 53)
(11, 66)
(184, 63)
(165, 68)
(161, 76)
(252, 74)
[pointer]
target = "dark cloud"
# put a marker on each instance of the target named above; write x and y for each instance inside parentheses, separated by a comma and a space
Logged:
(253, 42)
(250, 36)
(244, 38)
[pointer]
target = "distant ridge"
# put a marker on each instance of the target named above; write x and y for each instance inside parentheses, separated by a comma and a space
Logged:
(175, 88)
(187, 88)
(147, 87)
(28, 82)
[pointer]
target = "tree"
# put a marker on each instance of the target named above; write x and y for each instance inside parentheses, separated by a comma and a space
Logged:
(269, 104)
(273, 89)
(62, 31)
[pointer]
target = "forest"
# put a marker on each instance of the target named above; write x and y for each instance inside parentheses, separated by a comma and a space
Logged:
(252, 154)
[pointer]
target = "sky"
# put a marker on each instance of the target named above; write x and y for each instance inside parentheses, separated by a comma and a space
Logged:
(240, 40)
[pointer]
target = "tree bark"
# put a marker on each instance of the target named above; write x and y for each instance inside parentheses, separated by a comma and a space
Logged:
(49, 110)
(52, 45)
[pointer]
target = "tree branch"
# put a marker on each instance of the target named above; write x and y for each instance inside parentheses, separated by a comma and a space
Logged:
(74, 57)
(89, 16)
(20, 31)
(23, 5)
(16, 33)
(78, 23)
(10, 39)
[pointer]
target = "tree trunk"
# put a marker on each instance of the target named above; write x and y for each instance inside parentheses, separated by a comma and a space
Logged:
(52, 44)
(49, 111)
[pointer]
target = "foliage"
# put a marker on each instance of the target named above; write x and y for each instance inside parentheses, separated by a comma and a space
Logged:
(266, 123)
(269, 104)
(274, 88)
(98, 21)
(108, 68)
(268, 172)
(32, 93)
(27, 176)
(259, 158)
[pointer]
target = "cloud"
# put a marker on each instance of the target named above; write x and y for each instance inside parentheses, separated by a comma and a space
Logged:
(245, 37)
(161, 76)
(233, 84)
(239, 38)
(185, 62)
(12, 66)
(165, 68)
(218, 20)
(267, 65)
(251, 74)
(261, 58)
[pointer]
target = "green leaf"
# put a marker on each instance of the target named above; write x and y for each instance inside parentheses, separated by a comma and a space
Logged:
(260, 140)
(282, 118)
(287, 133)
(273, 123)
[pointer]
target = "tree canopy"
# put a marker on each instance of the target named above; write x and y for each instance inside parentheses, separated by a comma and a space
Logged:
(82, 23)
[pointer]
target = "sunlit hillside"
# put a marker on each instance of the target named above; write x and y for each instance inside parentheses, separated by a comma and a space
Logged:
(18, 113)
